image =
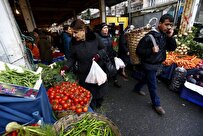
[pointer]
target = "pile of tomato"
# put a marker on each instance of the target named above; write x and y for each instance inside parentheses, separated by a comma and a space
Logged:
(69, 96)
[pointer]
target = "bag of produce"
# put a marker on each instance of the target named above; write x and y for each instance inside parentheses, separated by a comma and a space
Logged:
(119, 63)
(96, 75)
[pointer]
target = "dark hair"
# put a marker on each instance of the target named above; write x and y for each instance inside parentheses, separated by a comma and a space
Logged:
(77, 24)
(166, 16)
(65, 27)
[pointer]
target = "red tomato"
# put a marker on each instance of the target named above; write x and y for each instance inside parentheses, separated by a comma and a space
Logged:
(65, 106)
(73, 108)
(88, 96)
(51, 96)
(78, 110)
(85, 100)
(57, 96)
(55, 107)
(82, 103)
(55, 101)
(65, 98)
(85, 109)
(76, 100)
(60, 107)
(62, 102)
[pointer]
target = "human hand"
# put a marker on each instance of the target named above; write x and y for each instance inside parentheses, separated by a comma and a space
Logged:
(96, 57)
(155, 49)
(170, 32)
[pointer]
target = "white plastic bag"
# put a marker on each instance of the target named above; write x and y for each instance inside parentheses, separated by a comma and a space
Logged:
(119, 63)
(96, 75)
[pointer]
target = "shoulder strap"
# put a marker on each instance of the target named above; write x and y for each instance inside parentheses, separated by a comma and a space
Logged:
(153, 39)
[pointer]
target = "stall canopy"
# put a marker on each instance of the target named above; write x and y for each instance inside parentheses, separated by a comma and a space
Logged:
(47, 12)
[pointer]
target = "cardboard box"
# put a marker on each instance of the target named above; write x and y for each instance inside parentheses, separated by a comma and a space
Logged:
(16, 90)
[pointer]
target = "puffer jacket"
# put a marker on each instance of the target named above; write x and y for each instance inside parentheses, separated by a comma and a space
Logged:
(144, 48)
(107, 41)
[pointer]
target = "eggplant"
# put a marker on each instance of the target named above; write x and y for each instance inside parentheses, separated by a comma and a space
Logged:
(192, 80)
(200, 72)
(200, 83)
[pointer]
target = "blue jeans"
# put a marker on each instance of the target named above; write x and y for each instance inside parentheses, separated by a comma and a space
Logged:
(151, 81)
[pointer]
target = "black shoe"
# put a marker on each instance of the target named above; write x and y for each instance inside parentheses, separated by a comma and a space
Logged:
(116, 84)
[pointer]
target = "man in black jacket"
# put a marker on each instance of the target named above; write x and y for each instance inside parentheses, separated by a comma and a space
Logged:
(152, 56)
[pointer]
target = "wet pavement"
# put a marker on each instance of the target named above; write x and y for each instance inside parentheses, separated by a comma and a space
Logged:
(134, 115)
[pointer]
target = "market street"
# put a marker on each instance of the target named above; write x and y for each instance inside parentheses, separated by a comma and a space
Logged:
(135, 117)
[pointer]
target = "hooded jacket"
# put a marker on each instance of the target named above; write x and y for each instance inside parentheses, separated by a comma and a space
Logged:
(149, 59)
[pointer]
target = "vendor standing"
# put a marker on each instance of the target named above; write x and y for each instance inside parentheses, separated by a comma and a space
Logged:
(86, 47)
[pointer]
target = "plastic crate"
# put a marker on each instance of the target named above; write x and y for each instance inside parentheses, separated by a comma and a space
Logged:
(191, 96)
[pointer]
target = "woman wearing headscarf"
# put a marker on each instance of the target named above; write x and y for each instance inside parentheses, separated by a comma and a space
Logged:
(106, 39)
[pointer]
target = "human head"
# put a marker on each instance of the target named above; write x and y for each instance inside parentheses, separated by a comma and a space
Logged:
(165, 23)
(36, 32)
(104, 29)
(67, 28)
(78, 29)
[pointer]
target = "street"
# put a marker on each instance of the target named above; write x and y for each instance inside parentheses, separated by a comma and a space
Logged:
(135, 117)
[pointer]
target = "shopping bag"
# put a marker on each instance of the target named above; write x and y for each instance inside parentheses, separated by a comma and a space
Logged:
(119, 63)
(96, 75)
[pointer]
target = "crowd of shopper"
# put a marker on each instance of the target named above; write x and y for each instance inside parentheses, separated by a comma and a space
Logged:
(81, 45)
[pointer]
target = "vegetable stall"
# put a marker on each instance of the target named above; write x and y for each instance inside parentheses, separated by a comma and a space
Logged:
(37, 103)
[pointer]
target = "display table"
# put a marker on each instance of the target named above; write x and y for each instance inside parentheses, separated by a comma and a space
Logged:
(24, 110)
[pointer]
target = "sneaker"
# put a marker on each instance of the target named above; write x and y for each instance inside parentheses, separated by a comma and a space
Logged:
(141, 93)
(116, 84)
(160, 110)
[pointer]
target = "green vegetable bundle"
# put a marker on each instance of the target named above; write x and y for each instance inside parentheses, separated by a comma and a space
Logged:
(12, 76)
(52, 75)
(88, 124)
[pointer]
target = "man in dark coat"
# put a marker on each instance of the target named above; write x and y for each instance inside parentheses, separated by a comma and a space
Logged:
(152, 57)
(66, 40)
(84, 49)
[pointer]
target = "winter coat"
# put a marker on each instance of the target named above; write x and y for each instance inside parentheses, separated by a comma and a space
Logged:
(123, 49)
(45, 49)
(152, 60)
(66, 41)
(107, 41)
(83, 52)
